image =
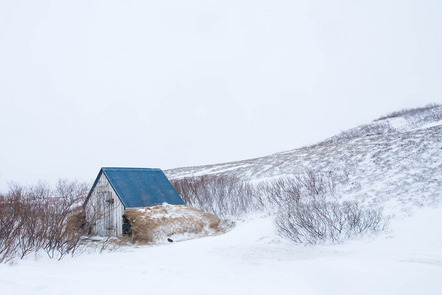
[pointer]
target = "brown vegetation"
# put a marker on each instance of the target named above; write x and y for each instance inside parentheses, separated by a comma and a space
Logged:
(36, 218)
(221, 195)
(310, 212)
(157, 223)
(308, 209)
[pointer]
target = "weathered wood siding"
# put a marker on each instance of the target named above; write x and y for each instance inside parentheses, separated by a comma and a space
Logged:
(107, 208)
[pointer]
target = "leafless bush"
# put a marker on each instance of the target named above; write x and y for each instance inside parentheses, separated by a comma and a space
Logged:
(309, 212)
(413, 112)
(278, 191)
(376, 128)
(415, 116)
(284, 190)
(221, 195)
(306, 205)
(36, 218)
(10, 226)
(63, 238)
(318, 221)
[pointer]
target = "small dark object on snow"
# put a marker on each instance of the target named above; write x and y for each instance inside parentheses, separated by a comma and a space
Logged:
(169, 240)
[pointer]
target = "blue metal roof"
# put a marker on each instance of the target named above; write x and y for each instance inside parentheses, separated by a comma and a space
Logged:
(141, 187)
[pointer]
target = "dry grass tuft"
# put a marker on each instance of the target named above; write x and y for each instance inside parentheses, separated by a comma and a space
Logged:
(156, 224)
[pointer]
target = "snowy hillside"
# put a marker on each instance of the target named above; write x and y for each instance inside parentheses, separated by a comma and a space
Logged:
(395, 162)
(396, 159)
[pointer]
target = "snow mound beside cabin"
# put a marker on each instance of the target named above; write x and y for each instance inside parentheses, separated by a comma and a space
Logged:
(158, 223)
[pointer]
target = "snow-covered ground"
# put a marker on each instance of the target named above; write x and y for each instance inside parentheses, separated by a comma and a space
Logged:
(250, 259)
(395, 162)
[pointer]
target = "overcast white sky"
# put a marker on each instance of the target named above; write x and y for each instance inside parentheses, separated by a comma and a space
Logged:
(172, 83)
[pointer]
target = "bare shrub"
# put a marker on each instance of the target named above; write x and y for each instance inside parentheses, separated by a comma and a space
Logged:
(284, 190)
(372, 129)
(277, 191)
(415, 116)
(36, 218)
(413, 112)
(309, 213)
(67, 198)
(10, 227)
(308, 210)
(322, 221)
(221, 195)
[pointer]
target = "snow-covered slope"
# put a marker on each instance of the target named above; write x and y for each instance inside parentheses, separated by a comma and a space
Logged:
(395, 162)
(396, 159)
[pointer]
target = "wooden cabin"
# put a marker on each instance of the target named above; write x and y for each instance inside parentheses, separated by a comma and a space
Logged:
(118, 189)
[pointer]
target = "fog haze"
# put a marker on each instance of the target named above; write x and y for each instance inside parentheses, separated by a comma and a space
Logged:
(87, 84)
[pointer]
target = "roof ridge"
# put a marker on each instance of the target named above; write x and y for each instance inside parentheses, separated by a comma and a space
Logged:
(131, 168)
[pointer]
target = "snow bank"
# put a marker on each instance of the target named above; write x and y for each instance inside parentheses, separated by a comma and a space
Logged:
(249, 259)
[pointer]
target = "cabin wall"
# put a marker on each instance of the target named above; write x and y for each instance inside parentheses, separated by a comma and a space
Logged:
(105, 207)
